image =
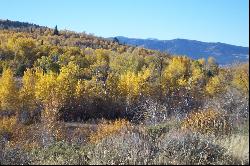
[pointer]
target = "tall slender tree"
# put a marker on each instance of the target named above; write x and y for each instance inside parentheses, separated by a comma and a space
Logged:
(56, 32)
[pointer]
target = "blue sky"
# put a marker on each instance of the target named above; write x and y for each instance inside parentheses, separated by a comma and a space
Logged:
(205, 20)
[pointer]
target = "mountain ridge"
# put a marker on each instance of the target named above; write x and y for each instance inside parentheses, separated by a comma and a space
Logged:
(224, 53)
(156, 39)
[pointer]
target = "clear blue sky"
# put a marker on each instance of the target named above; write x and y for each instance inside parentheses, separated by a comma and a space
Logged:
(206, 20)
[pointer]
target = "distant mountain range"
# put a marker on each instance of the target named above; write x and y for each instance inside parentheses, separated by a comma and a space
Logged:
(224, 53)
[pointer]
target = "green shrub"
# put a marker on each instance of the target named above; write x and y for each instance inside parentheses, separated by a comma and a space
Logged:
(157, 131)
(20, 70)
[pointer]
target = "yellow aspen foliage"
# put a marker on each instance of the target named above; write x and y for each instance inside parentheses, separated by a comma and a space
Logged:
(53, 89)
(66, 82)
(176, 73)
(197, 74)
(182, 82)
(133, 85)
(80, 88)
(178, 66)
(101, 66)
(102, 55)
(122, 63)
(88, 90)
(7, 125)
(144, 77)
(241, 78)
(39, 73)
(27, 92)
(129, 85)
(121, 49)
(94, 88)
(112, 86)
(214, 86)
(46, 91)
(24, 48)
(8, 91)
(197, 78)
(202, 61)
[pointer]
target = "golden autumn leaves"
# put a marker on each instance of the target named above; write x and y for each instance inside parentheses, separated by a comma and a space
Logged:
(52, 90)
(116, 77)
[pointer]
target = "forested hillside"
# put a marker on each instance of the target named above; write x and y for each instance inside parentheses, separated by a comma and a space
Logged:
(138, 106)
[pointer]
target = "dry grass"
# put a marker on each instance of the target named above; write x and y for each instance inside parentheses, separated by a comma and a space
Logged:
(236, 145)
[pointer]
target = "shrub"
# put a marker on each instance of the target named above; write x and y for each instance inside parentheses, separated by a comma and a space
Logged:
(157, 131)
(26, 137)
(126, 148)
(234, 104)
(150, 112)
(207, 121)
(15, 156)
(59, 153)
(236, 145)
(20, 70)
(190, 149)
(6, 126)
(107, 128)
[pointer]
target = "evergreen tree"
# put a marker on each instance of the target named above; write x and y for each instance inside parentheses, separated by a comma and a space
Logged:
(56, 32)
(116, 40)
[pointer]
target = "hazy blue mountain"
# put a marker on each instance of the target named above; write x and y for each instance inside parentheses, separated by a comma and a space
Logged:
(224, 53)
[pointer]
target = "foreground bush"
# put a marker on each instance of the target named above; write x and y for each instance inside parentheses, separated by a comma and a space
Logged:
(59, 153)
(190, 149)
(127, 148)
(236, 145)
(15, 156)
(208, 121)
(136, 148)
(131, 147)
(6, 127)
